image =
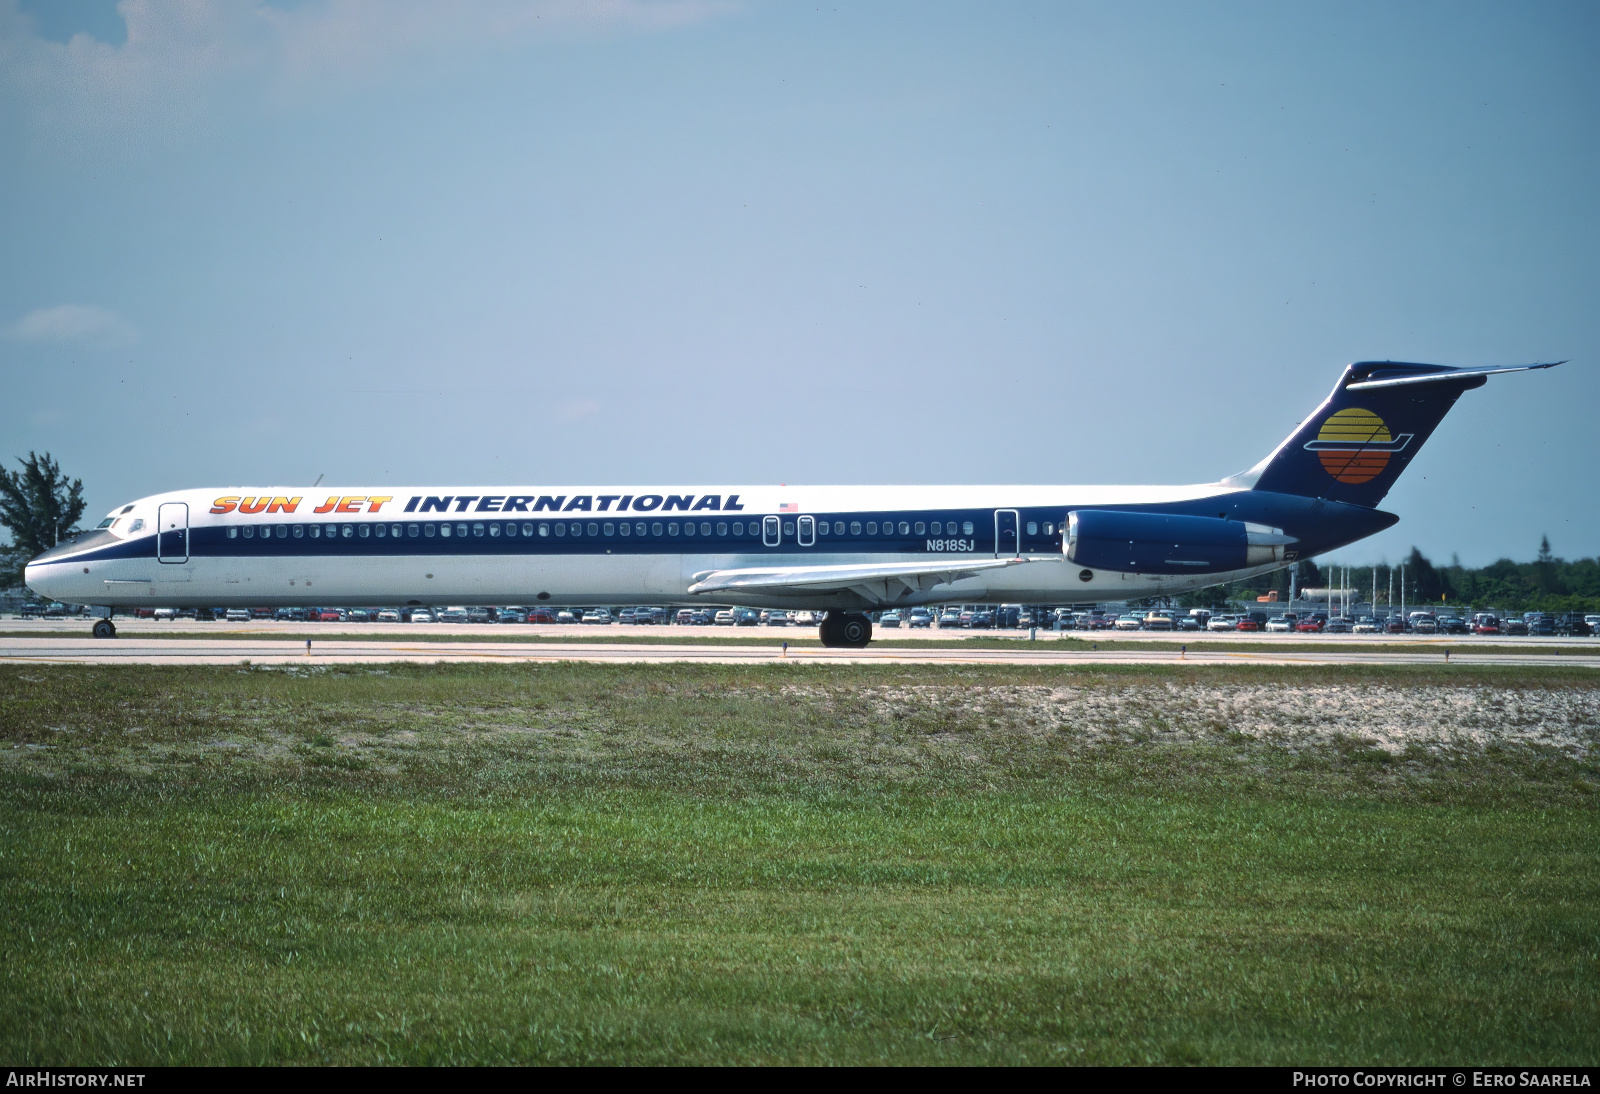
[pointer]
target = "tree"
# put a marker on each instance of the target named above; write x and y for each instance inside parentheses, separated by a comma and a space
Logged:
(40, 507)
(1545, 567)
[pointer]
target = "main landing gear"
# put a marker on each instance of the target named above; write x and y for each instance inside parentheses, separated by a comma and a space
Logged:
(852, 630)
(104, 628)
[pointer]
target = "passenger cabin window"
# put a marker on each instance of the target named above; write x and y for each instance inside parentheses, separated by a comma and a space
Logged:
(1033, 528)
(966, 528)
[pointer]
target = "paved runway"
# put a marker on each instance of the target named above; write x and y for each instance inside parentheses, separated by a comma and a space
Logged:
(266, 651)
(499, 632)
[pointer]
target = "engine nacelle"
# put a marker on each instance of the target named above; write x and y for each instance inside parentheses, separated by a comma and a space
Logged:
(1160, 543)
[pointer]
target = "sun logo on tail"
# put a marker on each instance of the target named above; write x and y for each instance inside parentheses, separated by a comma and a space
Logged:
(1354, 445)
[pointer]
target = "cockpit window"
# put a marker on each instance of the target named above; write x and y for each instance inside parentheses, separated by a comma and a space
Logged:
(126, 509)
(138, 523)
(108, 522)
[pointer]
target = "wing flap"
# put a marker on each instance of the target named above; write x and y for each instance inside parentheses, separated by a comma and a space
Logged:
(885, 581)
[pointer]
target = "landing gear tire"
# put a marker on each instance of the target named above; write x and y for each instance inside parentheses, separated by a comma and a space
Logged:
(104, 628)
(849, 630)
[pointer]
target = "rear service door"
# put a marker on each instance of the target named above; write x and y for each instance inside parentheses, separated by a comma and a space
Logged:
(1005, 533)
(172, 535)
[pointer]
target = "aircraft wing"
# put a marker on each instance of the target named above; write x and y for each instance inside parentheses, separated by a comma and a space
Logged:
(882, 583)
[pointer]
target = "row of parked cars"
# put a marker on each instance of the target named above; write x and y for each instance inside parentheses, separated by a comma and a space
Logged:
(965, 618)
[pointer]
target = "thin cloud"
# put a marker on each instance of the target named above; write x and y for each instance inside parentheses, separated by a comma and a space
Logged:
(180, 53)
(74, 323)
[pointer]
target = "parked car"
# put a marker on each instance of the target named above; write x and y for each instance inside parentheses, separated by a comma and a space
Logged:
(982, 620)
(1156, 621)
(1422, 623)
(1542, 624)
(1339, 625)
(745, 617)
(705, 617)
(950, 618)
(1453, 624)
(238, 615)
(598, 616)
(421, 615)
(1247, 623)
(1365, 625)
(1311, 624)
(1222, 623)
(511, 615)
(480, 615)
(724, 618)
(1394, 625)
(1281, 624)
(329, 615)
(453, 615)
(1516, 627)
(168, 614)
(357, 615)
(779, 618)
(388, 615)
(1485, 623)
(685, 617)
(919, 617)
(1129, 622)
(541, 615)
(648, 616)
(625, 616)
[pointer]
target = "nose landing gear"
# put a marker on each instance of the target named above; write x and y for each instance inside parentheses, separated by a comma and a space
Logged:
(104, 628)
(850, 630)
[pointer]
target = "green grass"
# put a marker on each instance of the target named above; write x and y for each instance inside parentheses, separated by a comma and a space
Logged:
(710, 864)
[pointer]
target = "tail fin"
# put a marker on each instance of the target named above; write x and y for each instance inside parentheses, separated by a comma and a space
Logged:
(1353, 447)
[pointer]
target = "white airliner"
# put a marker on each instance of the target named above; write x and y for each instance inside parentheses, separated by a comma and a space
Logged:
(843, 550)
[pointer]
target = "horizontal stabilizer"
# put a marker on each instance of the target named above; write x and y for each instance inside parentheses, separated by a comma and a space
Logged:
(882, 583)
(1439, 377)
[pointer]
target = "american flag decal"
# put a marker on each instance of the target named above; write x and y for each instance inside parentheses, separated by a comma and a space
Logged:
(789, 507)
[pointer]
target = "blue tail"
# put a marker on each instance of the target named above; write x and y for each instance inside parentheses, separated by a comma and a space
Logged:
(1353, 447)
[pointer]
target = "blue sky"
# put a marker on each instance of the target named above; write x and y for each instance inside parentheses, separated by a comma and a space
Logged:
(739, 242)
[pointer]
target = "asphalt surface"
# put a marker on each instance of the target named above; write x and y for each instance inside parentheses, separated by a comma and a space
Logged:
(498, 632)
(256, 643)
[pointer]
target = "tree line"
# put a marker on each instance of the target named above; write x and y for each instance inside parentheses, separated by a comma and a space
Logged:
(1548, 584)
